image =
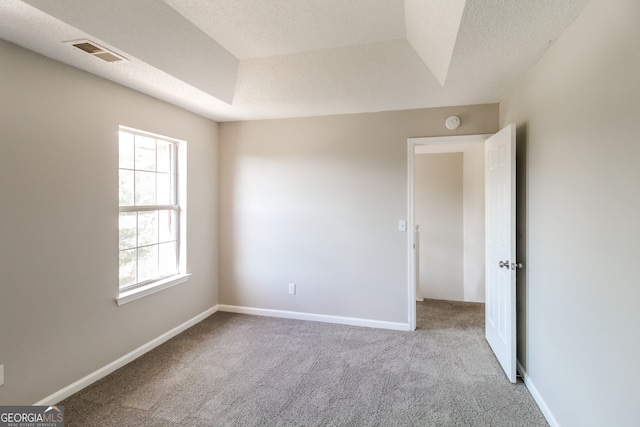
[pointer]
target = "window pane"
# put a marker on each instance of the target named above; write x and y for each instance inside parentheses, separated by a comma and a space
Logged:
(145, 153)
(167, 224)
(147, 228)
(165, 190)
(126, 188)
(127, 267)
(167, 259)
(147, 263)
(148, 240)
(128, 230)
(165, 156)
(126, 150)
(145, 188)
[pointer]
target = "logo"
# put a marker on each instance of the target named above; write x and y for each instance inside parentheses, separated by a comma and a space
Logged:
(31, 416)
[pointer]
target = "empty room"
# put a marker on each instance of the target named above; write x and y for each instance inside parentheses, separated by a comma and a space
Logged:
(209, 211)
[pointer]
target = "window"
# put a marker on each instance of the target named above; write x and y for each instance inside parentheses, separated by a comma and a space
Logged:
(150, 214)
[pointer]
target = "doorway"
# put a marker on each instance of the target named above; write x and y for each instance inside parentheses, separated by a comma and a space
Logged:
(471, 250)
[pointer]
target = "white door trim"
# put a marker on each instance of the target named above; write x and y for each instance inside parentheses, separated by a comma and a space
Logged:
(442, 144)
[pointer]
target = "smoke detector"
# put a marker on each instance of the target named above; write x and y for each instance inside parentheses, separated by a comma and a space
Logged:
(94, 49)
(452, 122)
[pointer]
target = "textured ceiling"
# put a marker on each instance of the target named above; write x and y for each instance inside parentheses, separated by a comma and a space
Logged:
(432, 29)
(257, 29)
(250, 59)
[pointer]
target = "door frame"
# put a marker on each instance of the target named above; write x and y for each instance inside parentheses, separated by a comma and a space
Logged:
(412, 143)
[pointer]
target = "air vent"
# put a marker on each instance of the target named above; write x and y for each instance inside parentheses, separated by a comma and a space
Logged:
(96, 50)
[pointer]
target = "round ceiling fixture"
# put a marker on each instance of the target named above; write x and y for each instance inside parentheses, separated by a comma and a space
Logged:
(452, 122)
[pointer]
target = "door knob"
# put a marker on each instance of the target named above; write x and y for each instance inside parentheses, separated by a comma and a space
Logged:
(504, 264)
(516, 265)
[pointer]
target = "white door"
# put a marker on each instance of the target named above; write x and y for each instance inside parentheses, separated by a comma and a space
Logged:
(500, 262)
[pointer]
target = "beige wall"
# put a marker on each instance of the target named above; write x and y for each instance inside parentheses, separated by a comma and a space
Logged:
(473, 221)
(439, 213)
(59, 231)
(316, 202)
(577, 113)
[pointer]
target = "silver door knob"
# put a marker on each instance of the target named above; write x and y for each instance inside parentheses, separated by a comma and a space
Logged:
(516, 265)
(504, 264)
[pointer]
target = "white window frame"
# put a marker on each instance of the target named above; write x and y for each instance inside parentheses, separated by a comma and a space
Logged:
(137, 291)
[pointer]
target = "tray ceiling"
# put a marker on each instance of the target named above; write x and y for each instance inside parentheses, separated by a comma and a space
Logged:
(248, 59)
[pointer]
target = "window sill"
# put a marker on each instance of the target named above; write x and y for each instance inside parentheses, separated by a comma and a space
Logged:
(152, 288)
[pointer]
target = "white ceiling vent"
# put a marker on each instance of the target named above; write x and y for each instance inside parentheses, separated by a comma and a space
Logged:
(96, 50)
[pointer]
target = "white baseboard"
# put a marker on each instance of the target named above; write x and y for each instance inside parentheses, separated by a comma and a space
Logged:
(351, 321)
(116, 364)
(537, 397)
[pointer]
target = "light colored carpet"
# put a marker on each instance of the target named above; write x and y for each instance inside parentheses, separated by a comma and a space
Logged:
(239, 370)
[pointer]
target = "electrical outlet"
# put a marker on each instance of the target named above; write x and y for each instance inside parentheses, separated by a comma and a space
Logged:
(292, 288)
(1, 374)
